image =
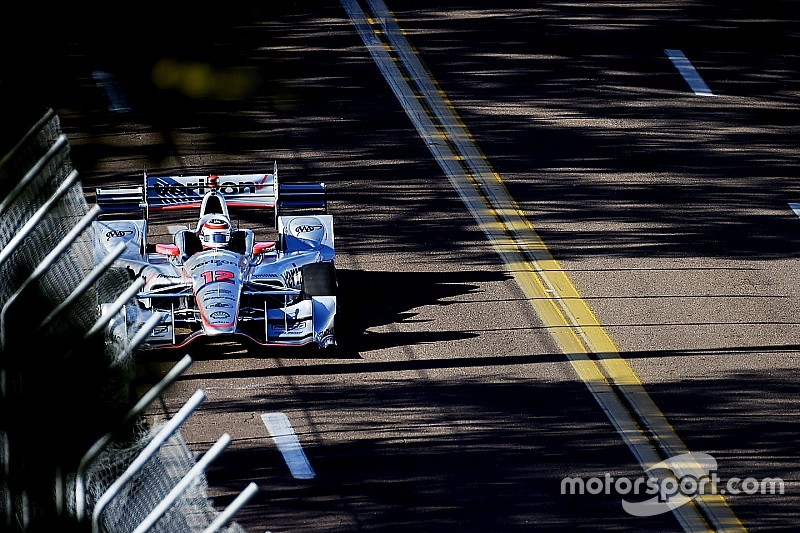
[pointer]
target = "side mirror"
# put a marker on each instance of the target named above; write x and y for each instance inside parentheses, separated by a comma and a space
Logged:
(263, 247)
(169, 250)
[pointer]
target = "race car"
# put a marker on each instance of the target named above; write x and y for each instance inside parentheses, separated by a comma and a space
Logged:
(214, 281)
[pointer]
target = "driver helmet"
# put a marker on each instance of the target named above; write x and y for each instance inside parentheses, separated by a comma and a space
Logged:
(215, 232)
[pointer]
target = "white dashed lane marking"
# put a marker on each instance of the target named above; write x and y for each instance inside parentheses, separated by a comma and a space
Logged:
(689, 73)
(117, 101)
(281, 431)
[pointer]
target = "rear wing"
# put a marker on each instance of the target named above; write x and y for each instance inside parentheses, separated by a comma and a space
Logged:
(255, 191)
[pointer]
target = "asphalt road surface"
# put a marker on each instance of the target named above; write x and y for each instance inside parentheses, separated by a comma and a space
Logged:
(453, 406)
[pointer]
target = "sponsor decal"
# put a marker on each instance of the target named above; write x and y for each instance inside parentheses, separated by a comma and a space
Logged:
(118, 233)
(220, 315)
(214, 262)
(160, 331)
(218, 305)
(214, 296)
(293, 277)
(170, 188)
(307, 228)
(292, 328)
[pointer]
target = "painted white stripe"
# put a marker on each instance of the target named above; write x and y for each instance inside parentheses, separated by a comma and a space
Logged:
(281, 431)
(689, 73)
(795, 208)
(116, 98)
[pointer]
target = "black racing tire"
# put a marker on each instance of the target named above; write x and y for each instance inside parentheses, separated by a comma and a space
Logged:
(319, 279)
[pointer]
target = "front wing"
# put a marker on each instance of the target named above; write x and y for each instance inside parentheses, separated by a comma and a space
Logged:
(306, 322)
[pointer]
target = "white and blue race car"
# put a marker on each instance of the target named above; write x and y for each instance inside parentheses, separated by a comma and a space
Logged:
(214, 281)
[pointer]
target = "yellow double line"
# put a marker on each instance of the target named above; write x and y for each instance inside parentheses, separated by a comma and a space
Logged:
(590, 350)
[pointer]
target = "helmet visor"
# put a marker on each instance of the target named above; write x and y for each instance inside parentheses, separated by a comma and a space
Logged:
(218, 238)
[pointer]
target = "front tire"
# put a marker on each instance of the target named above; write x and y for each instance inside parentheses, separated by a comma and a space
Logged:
(319, 279)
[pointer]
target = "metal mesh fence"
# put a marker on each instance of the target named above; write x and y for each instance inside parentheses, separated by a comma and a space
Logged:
(50, 370)
(19, 160)
(16, 209)
(193, 511)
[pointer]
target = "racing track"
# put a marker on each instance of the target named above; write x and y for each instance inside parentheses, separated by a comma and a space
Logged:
(454, 405)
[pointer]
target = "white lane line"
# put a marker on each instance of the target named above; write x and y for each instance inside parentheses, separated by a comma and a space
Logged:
(689, 73)
(281, 431)
(795, 208)
(116, 98)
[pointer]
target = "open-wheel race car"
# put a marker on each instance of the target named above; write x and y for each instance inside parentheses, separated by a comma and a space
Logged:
(213, 280)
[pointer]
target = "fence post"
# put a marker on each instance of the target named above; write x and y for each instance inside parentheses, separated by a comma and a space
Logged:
(226, 516)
